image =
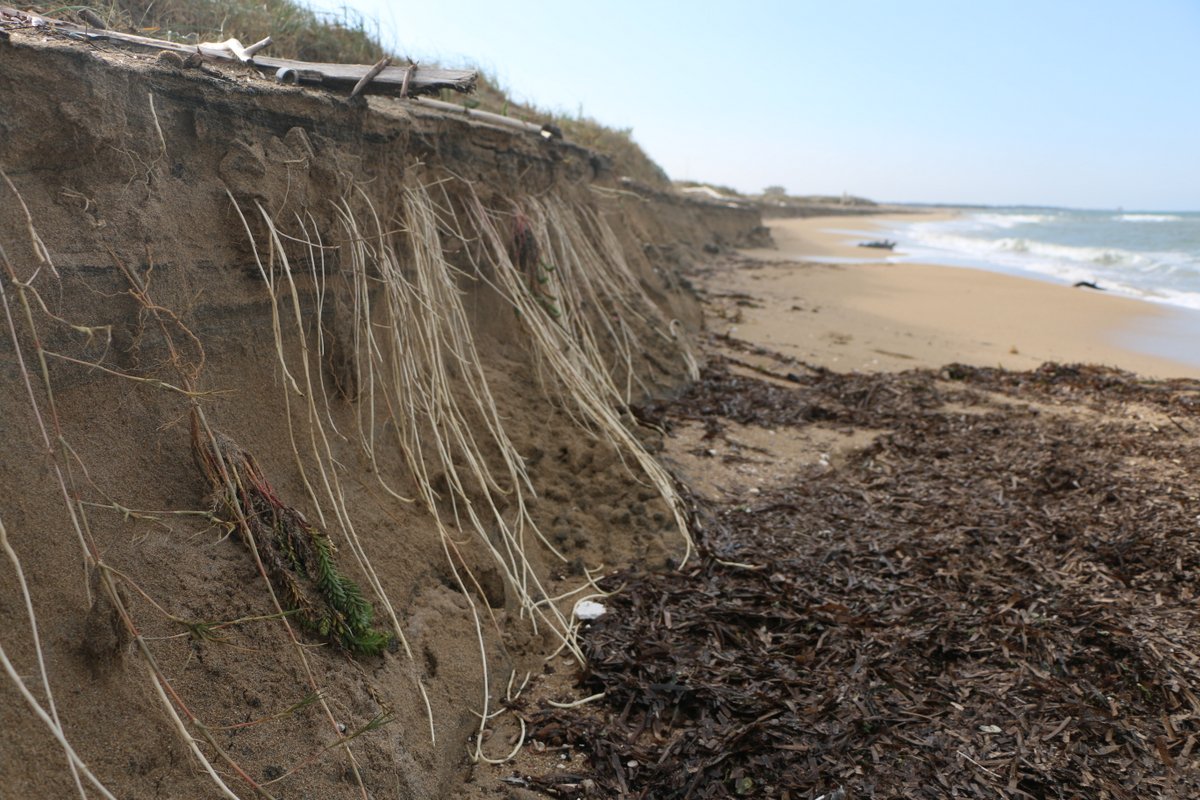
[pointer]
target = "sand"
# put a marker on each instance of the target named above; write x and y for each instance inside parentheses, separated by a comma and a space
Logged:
(187, 580)
(866, 315)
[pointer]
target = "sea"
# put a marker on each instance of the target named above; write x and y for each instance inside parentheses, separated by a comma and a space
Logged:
(1147, 255)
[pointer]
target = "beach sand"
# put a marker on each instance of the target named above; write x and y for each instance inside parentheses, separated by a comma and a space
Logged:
(866, 315)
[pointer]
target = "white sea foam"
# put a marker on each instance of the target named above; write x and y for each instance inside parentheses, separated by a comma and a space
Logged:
(1103, 256)
(1147, 218)
(1023, 250)
(1175, 298)
(1157, 262)
(1010, 220)
(1121, 264)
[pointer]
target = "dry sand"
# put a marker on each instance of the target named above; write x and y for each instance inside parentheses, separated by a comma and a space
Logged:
(868, 315)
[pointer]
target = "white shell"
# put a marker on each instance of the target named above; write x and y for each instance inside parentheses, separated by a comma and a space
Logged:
(589, 609)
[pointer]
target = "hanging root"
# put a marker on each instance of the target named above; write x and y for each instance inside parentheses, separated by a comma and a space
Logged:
(62, 459)
(599, 301)
(418, 367)
(420, 392)
(297, 556)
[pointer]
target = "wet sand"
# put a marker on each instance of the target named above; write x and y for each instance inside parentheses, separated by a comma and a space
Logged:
(868, 315)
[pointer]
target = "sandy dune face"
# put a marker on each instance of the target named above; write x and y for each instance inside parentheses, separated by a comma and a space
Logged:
(410, 428)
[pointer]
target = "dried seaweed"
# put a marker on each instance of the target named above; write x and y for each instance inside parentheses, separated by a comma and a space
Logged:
(995, 599)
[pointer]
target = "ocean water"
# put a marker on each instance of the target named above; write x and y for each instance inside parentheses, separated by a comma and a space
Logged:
(1148, 255)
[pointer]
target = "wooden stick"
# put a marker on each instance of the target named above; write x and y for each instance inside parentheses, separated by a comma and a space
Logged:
(483, 116)
(371, 75)
(261, 44)
(233, 46)
(241, 53)
(408, 73)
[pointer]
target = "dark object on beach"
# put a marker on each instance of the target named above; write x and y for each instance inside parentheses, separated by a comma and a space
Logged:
(881, 244)
(1089, 285)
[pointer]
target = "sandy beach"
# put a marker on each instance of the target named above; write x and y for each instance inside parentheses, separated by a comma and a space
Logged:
(929, 582)
(365, 445)
(854, 313)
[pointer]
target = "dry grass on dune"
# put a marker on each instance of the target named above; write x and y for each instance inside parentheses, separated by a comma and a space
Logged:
(296, 31)
(349, 37)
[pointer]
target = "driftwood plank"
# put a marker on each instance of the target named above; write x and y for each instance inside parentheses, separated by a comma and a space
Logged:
(547, 130)
(426, 80)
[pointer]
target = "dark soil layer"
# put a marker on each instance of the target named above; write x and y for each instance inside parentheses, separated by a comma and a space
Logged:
(996, 599)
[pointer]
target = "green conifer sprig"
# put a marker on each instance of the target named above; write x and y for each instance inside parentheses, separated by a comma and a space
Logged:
(298, 556)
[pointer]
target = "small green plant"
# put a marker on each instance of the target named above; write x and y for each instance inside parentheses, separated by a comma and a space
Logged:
(297, 556)
(526, 256)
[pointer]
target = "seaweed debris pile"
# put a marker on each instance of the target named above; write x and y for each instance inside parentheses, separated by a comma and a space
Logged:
(996, 598)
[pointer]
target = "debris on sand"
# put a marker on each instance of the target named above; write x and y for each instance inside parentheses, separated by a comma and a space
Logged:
(995, 599)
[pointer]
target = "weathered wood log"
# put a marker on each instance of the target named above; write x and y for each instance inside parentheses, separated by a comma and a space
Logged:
(547, 130)
(372, 73)
(426, 80)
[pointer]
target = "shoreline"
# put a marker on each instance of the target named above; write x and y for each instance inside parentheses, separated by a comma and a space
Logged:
(823, 299)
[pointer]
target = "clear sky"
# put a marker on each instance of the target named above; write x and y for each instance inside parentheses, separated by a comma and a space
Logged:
(1089, 104)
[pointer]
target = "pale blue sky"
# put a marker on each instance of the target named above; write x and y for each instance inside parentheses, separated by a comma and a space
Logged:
(1087, 104)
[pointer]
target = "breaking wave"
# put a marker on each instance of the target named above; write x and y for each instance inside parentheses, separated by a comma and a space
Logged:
(1069, 247)
(1147, 218)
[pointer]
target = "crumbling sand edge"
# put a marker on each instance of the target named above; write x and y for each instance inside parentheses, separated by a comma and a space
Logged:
(144, 173)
